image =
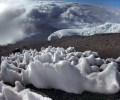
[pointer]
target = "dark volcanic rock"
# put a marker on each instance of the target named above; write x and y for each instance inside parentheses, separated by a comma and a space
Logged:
(16, 50)
(107, 45)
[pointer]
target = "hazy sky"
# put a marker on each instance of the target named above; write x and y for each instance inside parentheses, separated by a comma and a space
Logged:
(111, 3)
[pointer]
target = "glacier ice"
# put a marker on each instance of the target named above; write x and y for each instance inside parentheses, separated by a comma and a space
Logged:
(104, 28)
(64, 69)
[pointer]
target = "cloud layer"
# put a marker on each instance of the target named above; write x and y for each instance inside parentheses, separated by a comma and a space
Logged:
(21, 20)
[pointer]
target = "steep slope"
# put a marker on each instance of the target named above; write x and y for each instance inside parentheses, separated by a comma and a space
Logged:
(105, 28)
(43, 18)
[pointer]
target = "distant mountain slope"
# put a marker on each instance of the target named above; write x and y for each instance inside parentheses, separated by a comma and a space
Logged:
(45, 17)
(105, 28)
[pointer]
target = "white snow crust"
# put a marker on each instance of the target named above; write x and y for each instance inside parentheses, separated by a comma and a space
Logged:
(64, 69)
(105, 28)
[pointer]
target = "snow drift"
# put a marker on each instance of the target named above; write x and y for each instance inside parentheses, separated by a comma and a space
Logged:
(67, 70)
(105, 28)
(39, 19)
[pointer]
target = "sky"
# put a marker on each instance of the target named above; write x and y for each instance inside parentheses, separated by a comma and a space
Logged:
(110, 3)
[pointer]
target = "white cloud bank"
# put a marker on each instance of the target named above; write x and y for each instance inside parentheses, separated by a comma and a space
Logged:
(13, 1)
(67, 70)
(41, 18)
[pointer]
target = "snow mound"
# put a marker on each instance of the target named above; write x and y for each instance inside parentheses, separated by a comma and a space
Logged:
(37, 20)
(57, 68)
(18, 93)
(105, 28)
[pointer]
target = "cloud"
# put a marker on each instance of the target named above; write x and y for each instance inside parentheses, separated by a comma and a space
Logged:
(18, 21)
(43, 18)
(16, 1)
(13, 0)
(12, 23)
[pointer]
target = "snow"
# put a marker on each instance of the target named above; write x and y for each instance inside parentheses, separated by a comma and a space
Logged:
(18, 93)
(59, 68)
(37, 20)
(105, 28)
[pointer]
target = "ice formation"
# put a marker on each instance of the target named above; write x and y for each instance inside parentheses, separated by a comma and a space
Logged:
(37, 20)
(105, 28)
(18, 93)
(64, 69)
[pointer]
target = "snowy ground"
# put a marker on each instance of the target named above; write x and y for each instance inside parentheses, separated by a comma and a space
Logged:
(57, 68)
(39, 19)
